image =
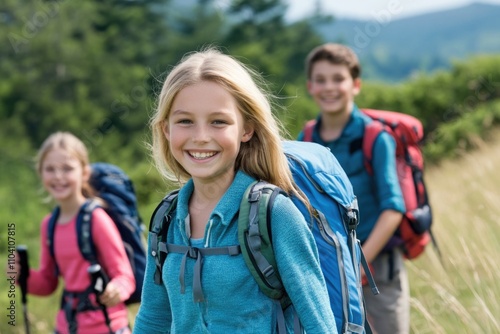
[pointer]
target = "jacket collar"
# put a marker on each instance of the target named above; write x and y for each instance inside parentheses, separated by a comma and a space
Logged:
(228, 205)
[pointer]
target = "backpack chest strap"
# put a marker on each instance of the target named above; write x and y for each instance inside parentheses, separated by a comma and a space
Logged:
(195, 253)
(73, 302)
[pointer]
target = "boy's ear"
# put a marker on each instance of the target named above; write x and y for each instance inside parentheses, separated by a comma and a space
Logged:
(308, 83)
(357, 86)
(247, 134)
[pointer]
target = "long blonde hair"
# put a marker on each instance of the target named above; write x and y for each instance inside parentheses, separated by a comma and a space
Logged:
(71, 144)
(262, 156)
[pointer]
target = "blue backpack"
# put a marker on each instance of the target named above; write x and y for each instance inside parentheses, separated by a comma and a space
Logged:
(116, 189)
(335, 217)
(320, 177)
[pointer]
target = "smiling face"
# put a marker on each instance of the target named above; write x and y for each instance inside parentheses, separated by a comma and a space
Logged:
(332, 87)
(63, 176)
(205, 130)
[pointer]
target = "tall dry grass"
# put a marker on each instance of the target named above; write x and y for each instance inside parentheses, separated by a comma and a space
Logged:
(462, 294)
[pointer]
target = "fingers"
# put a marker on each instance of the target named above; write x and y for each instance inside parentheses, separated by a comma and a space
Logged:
(111, 295)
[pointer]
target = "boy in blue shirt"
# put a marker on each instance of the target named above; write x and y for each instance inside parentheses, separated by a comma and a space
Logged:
(333, 81)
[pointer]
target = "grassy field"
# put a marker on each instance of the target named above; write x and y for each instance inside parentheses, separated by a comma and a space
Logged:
(459, 295)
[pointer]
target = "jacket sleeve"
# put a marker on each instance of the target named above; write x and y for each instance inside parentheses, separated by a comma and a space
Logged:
(385, 174)
(43, 281)
(298, 264)
(154, 315)
(111, 252)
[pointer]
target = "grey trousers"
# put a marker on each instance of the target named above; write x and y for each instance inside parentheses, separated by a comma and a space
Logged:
(389, 311)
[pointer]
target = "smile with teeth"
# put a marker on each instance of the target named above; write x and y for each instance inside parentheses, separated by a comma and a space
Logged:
(330, 99)
(202, 155)
(59, 187)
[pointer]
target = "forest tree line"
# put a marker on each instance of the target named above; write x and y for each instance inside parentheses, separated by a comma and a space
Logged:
(95, 68)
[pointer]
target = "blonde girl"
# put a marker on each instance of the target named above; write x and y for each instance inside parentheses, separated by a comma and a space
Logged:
(214, 133)
(63, 166)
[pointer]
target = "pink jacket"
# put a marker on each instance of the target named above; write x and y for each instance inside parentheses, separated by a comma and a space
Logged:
(73, 270)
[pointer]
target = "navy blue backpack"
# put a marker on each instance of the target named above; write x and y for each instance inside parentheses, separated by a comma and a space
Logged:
(116, 189)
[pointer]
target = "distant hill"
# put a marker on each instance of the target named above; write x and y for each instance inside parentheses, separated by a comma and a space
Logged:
(392, 49)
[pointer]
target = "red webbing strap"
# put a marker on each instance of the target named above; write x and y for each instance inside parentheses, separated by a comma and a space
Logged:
(308, 130)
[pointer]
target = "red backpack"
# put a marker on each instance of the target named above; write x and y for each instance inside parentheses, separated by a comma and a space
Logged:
(414, 232)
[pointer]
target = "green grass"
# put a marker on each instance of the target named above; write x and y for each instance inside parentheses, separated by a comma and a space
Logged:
(461, 296)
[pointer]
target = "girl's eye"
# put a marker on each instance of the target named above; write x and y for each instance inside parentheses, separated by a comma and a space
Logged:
(49, 169)
(319, 80)
(219, 121)
(67, 169)
(184, 121)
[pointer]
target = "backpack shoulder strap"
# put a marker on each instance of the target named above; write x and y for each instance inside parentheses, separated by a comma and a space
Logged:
(84, 231)
(51, 227)
(372, 131)
(158, 228)
(255, 238)
(308, 130)
(254, 234)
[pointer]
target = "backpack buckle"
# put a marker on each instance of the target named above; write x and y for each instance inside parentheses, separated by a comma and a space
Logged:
(352, 219)
(254, 196)
(192, 252)
(268, 272)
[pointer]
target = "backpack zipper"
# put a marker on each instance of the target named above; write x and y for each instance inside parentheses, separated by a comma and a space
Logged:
(333, 241)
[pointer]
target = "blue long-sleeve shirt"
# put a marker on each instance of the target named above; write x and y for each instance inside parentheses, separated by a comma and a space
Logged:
(377, 192)
(233, 301)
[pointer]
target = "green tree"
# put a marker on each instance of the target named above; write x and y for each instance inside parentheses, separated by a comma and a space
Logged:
(275, 47)
(80, 67)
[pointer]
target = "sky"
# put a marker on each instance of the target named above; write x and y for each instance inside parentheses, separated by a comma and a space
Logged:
(369, 9)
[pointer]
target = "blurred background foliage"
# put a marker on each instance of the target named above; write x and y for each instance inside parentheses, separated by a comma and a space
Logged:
(95, 69)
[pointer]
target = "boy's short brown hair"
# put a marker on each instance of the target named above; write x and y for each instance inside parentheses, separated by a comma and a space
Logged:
(337, 54)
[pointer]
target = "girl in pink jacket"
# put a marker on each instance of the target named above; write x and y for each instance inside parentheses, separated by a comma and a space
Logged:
(64, 169)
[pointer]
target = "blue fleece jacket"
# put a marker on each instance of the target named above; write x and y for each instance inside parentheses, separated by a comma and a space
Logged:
(233, 302)
(377, 192)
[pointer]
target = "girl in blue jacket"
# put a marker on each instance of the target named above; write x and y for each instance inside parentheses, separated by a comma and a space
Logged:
(214, 133)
